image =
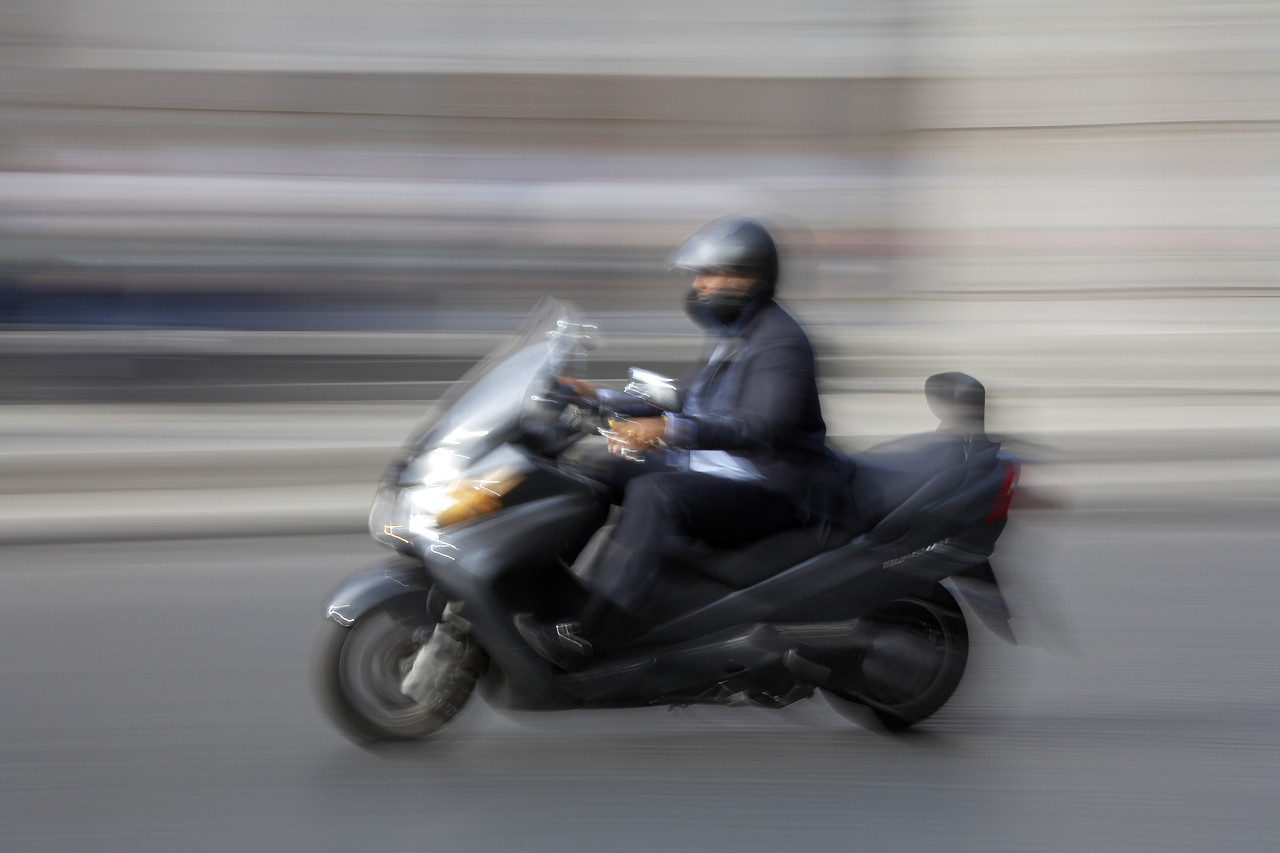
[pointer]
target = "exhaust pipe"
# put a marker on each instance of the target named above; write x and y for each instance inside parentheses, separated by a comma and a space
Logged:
(796, 652)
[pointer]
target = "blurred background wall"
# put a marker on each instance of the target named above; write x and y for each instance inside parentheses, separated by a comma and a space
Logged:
(1085, 187)
(417, 155)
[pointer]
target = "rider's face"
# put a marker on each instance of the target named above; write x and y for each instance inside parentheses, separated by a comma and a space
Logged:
(708, 283)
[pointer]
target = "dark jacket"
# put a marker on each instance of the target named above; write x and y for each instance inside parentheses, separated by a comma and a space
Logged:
(760, 403)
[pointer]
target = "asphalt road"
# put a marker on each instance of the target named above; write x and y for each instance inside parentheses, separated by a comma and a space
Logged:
(155, 698)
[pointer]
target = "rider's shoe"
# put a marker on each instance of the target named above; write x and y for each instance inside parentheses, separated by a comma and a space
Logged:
(561, 643)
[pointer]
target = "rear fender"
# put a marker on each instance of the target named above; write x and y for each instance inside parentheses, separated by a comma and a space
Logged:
(398, 584)
(981, 591)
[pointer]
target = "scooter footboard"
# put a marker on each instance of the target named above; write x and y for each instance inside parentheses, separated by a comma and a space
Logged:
(837, 585)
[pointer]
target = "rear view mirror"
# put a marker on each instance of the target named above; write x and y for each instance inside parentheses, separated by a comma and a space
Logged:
(654, 388)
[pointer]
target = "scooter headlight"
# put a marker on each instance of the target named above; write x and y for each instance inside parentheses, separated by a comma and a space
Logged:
(435, 506)
(429, 501)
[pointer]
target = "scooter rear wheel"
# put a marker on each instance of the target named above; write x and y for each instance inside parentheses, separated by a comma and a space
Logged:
(359, 670)
(914, 664)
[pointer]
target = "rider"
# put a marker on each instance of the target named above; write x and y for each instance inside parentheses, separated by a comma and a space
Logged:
(742, 458)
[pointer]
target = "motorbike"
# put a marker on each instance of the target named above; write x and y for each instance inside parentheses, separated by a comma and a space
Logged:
(489, 516)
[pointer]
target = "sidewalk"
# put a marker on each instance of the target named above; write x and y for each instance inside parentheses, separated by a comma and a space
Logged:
(288, 433)
(138, 472)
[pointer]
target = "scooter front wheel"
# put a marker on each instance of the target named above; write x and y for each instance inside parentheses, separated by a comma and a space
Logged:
(359, 671)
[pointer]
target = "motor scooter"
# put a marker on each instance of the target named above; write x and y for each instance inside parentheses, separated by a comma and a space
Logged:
(489, 516)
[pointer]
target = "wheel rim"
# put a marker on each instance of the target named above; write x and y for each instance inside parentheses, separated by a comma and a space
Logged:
(374, 661)
(910, 656)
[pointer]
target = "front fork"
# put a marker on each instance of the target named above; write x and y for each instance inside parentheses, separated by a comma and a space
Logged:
(443, 648)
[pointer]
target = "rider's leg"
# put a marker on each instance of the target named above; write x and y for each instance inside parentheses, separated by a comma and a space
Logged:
(662, 509)
(659, 509)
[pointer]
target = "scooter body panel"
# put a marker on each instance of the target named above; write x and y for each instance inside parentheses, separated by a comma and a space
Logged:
(937, 507)
(399, 583)
(518, 558)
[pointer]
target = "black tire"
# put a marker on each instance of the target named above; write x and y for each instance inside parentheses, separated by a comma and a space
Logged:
(357, 672)
(914, 664)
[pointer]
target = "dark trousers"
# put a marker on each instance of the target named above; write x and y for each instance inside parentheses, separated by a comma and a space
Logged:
(661, 509)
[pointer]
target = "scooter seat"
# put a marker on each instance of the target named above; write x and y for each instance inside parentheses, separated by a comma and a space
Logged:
(886, 477)
(746, 565)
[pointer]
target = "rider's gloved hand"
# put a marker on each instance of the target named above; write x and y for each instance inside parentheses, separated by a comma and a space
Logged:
(632, 437)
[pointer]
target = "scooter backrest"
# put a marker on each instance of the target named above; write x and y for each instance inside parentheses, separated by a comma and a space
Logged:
(951, 500)
(890, 473)
(959, 401)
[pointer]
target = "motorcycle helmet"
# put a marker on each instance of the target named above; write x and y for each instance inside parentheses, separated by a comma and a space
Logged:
(733, 244)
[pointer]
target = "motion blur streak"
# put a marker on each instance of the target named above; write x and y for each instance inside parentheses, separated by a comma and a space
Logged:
(243, 244)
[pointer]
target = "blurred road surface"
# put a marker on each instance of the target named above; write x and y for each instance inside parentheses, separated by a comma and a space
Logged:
(156, 699)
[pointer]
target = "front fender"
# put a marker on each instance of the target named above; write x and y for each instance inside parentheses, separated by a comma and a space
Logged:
(401, 584)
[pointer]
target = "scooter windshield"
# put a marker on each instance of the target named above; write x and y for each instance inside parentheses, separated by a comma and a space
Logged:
(488, 401)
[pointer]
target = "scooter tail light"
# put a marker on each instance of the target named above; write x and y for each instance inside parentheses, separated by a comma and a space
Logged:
(1008, 485)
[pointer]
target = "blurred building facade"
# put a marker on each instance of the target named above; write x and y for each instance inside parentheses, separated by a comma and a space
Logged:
(373, 163)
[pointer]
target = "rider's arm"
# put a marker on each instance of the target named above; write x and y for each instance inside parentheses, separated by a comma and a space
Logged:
(681, 432)
(780, 377)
